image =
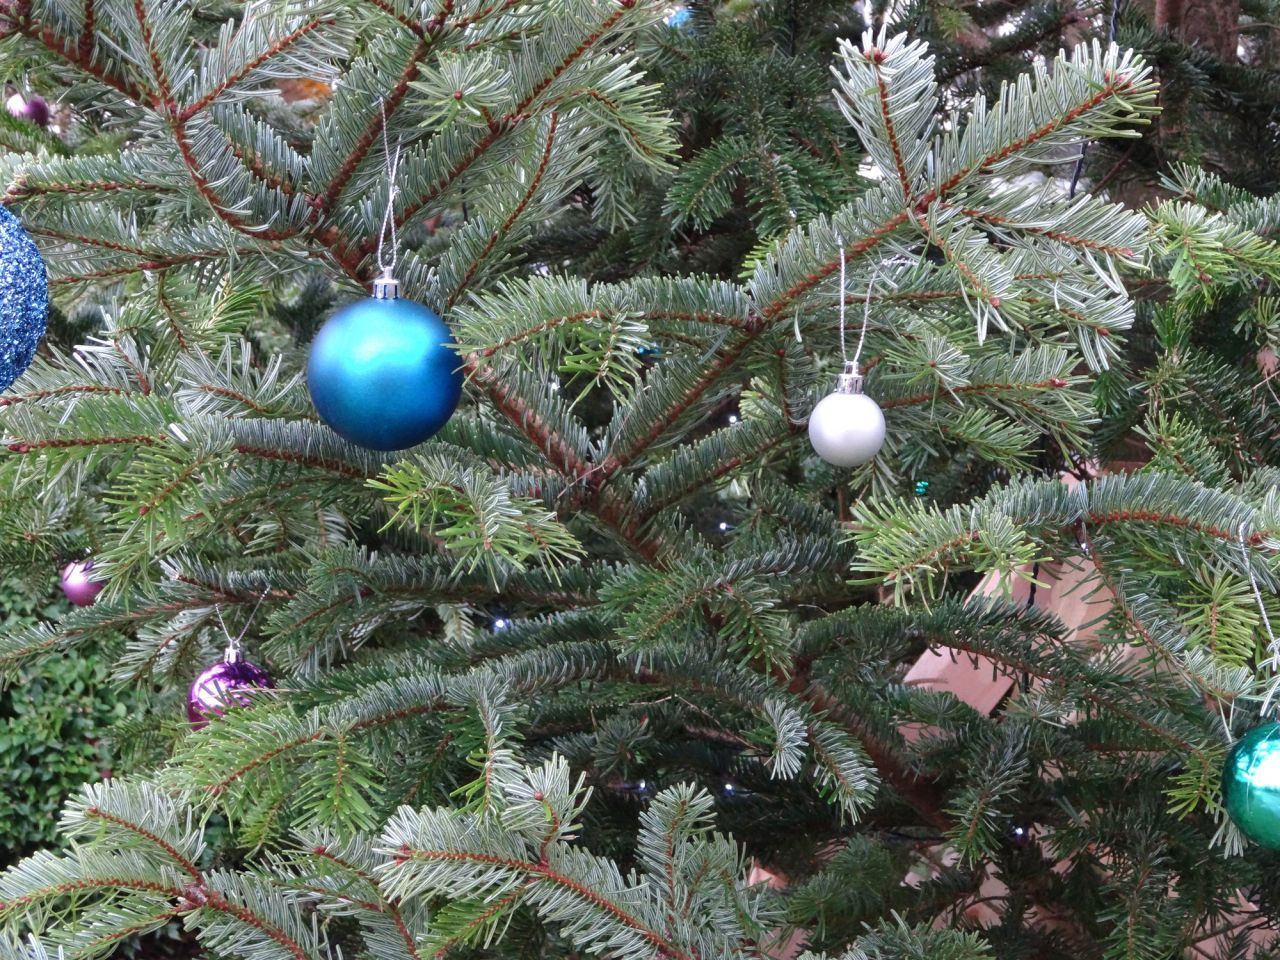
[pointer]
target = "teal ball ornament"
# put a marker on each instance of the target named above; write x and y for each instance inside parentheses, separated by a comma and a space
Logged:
(1251, 785)
(384, 373)
(24, 299)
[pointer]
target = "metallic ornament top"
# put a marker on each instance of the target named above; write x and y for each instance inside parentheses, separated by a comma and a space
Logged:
(24, 299)
(1251, 785)
(384, 373)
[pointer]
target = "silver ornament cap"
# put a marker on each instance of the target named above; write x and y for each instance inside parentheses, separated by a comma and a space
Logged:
(386, 287)
(846, 428)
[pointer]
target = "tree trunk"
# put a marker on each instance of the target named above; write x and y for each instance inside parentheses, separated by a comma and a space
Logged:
(1212, 25)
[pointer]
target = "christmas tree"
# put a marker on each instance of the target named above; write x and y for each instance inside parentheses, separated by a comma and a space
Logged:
(556, 679)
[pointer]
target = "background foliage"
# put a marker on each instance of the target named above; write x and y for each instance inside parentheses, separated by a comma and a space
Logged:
(55, 721)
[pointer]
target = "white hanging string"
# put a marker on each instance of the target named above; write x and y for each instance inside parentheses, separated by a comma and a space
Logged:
(844, 354)
(851, 366)
(1274, 661)
(388, 215)
(866, 314)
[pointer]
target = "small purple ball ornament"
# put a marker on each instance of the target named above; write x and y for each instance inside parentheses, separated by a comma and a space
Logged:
(34, 108)
(78, 583)
(223, 686)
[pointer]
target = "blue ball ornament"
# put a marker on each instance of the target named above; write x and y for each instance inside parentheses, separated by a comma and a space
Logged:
(24, 299)
(384, 373)
(679, 17)
(1251, 785)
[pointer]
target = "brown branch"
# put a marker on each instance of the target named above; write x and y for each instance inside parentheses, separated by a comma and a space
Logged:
(121, 933)
(22, 190)
(877, 58)
(233, 395)
(160, 263)
(63, 443)
(413, 26)
(536, 329)
(921, 794)
(1032, 668)
(51, 41)
(88, 20)
(165, 845)
(328, 197)
(101, 242)
(305, 460)
(463, 22)
(752, 456)
(1053, 383)
(982, 289)
(516, 409)
(506, 124)
(217, 901)
(9, 401)
(1254, 539)
(177, 119)
(1112, 87)
(615, 462)
(478, 922)
(113, 884)
(1059, 235)
(170, 311)
(534, 183)
(183, 476)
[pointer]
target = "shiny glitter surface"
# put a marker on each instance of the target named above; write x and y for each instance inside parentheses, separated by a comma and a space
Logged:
(24, 299)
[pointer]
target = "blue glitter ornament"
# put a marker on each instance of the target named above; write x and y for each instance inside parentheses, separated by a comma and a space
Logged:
(384, 372)
(1251, 785)
(24, 299)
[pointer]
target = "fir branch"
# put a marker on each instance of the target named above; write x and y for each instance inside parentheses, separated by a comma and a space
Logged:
(278, 47)
(169, 849)
(75, 55)
(94, 884)
(535, 183)
(328, 197)
(543, 872)
(20, 189)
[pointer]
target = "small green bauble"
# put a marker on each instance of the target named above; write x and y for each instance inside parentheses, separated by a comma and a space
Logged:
(1251, 785)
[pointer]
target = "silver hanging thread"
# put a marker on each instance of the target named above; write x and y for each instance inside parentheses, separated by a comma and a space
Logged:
(850, 381)
(1274, 645)
(386, 287)
(232, 652)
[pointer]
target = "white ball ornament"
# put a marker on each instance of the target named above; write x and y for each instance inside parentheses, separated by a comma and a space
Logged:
(846, 428)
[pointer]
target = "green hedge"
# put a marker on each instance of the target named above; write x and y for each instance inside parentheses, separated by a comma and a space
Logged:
(52, 721)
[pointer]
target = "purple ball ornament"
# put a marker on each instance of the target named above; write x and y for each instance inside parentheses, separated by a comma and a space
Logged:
(34, 108)
(223, 686)
(78, 585)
